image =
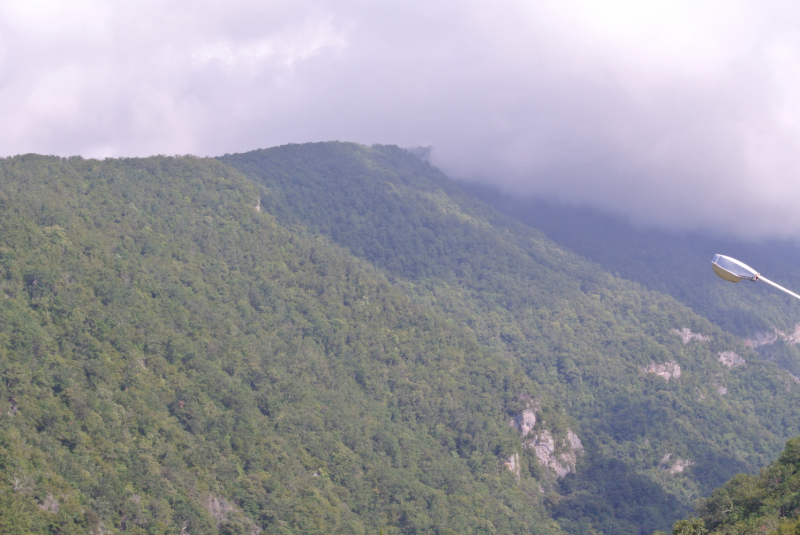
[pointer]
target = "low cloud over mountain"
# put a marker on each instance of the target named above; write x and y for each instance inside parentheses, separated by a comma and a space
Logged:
(678, 115)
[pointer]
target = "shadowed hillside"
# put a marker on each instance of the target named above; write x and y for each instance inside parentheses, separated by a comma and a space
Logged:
(668, 405)
(678, 264)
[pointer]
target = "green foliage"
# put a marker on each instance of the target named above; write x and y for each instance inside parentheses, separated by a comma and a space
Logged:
(580, 334)
(174, 360)
(691, 526)
(764, 503)
(348, 358)
(675, 263)
(611, 497)
(15, 513)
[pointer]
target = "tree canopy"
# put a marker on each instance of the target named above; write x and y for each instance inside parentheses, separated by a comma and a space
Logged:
(332, 338)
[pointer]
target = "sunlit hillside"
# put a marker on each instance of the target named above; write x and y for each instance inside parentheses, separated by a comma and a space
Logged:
(333, 338)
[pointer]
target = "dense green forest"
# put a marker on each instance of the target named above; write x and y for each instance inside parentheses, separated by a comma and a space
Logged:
(582, 335)
(748, 504)
(173, 359)
(676, 263)
(333, 338)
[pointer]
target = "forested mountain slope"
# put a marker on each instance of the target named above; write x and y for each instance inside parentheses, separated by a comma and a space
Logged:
(767, 503)
(173, 361)
(667, 404)
(332, 338)
(678, 263)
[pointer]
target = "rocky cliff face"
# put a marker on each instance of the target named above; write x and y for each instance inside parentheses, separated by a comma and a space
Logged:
(769, 338)
(559, 454)
(667, 370)
(687, 335)
(513, 464)
(525, 421)
(730, 359)
(544, 447)
(674, 467)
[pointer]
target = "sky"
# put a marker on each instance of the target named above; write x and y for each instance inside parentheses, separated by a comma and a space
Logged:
(681, 115)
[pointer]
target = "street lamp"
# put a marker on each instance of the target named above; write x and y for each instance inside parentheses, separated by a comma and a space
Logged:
(732, 270)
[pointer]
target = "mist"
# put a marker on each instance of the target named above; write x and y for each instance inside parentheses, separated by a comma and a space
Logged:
(682, 116)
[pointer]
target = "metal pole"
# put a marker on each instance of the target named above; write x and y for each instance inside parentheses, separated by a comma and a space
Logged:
(778, 286)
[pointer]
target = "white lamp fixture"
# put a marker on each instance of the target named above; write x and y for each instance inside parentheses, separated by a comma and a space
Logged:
(732, 270)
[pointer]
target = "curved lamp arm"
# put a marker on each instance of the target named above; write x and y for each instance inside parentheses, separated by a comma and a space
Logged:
(732, 270)
(778, 286)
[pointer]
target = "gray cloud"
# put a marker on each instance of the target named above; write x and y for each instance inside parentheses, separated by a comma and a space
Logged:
(679, 114)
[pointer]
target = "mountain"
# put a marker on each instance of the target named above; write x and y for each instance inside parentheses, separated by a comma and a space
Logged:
(668, 405)
(334, 338)
(677, 264)
(173, 361)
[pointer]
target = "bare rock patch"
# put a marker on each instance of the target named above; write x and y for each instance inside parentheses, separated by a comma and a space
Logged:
(667, 370)
(730, 359)
(560, 455)
(525, 421)
(674, 467)
(513, 464)
(687, 335)
(769, 338)
(544, 447)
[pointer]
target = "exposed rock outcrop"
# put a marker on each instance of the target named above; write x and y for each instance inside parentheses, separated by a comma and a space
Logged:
(218, 507)
(525, 421)
(223, 511)
(762, 339)
(674, 468)
(716, 383)
(794, 338)
(544, 447)
(561, 459)
(513, 464)
(730, 359)
(667, 370)
(574, 441)
(687, 335)
(769, 338)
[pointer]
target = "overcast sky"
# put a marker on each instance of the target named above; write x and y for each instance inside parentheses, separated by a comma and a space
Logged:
(682, 114)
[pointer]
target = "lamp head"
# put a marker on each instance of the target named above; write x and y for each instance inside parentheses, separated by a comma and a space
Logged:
(732, 270)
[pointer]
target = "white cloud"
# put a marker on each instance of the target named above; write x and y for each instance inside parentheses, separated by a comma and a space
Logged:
(286, 48)
(682, 114)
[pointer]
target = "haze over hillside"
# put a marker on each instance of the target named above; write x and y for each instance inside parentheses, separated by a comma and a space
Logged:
(678, 264)
(680, 114)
